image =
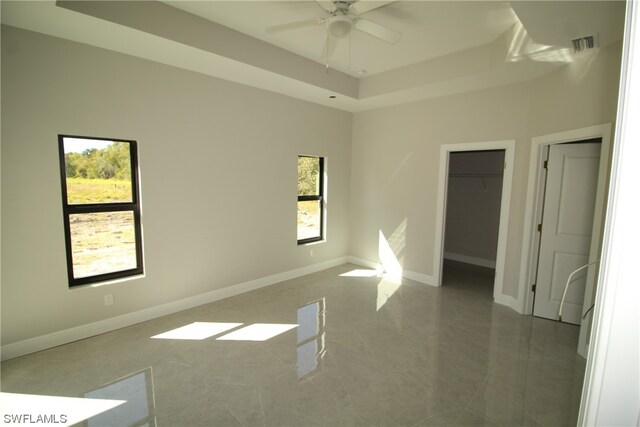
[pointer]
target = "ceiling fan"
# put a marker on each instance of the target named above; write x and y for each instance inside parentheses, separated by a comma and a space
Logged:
(344, 16)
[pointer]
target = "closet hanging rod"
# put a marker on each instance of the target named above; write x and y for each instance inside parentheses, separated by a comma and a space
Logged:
(477, 175)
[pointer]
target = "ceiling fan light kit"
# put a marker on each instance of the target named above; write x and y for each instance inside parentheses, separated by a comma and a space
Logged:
(339, 26)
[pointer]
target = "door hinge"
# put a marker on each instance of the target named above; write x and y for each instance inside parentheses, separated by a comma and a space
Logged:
(540, 228)
(546, 164)
(533, 287)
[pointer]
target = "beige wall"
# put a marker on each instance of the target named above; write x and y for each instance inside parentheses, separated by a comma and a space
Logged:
(395, 166)
(395, 158)
(212, 153)
(581, 94)
(218, 168)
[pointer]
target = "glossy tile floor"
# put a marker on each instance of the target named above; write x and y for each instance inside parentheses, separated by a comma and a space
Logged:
(366, 351)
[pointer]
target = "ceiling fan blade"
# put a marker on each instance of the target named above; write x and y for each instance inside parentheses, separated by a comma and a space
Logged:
(293, 25)
(327, 5)
(376, 30)
(364, 6)
(329, 47)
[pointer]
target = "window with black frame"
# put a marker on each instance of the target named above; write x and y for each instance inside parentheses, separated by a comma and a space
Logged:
(101, 207)
(310, 199)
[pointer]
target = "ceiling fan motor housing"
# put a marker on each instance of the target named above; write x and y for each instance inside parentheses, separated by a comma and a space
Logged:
(342, 5)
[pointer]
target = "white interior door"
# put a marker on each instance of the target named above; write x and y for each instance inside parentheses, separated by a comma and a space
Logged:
(567, 221)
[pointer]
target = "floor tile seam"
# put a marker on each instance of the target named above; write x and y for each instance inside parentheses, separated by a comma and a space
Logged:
(481, 386)
(348, 392)
(436, 414)
(493, 420)
(339, 375)
(534, 415)
(262, 411)
(335, 402)
(380, 367)
(510, 398)
(227, 406)
(299, 412)
(361, 354)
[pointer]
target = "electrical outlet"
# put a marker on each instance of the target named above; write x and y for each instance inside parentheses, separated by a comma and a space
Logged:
(108, 299)
(310, 252)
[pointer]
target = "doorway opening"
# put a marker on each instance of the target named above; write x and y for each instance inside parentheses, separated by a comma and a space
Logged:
(497, 262)
(533, 217)
(472, 220)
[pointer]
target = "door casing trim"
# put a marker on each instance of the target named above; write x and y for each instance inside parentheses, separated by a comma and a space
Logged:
(509, 147)
(533, 201)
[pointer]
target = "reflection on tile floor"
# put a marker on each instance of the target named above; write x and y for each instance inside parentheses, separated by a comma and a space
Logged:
(429, 356)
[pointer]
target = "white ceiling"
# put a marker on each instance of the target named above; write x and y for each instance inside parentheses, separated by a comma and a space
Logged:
(447, 47)
(426, 29)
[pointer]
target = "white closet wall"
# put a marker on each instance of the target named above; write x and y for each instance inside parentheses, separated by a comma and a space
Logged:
(473, 206)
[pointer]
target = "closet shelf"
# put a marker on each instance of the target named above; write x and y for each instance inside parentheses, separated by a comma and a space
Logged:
(476, 175)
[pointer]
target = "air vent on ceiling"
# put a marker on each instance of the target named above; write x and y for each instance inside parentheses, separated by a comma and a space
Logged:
(584, 44)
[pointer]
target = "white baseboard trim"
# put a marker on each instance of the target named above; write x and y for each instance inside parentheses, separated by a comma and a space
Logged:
(470, 260)
(505, 300)
(364, 263)
(510, 302)
(419, 277)
(411, 275)
(66, 336)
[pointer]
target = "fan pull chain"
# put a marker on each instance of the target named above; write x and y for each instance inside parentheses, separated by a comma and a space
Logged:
(350, 35)
(326, 53)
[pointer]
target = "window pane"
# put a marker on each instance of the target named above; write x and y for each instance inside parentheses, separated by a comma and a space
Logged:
(97, 171)
(308, 176)
(308, 219)
(102, 242)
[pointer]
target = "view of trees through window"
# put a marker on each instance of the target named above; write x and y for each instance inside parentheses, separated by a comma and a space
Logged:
(310, 170)
(98, 175)
(100, 207)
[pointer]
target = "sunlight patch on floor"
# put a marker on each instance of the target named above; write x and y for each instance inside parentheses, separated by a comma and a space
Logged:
(197, 331)
(361, 272)
(386, 288)
(32, 409)
(258, 332)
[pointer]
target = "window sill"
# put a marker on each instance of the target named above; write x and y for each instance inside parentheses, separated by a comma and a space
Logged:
(314, 242)
(108, 282)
